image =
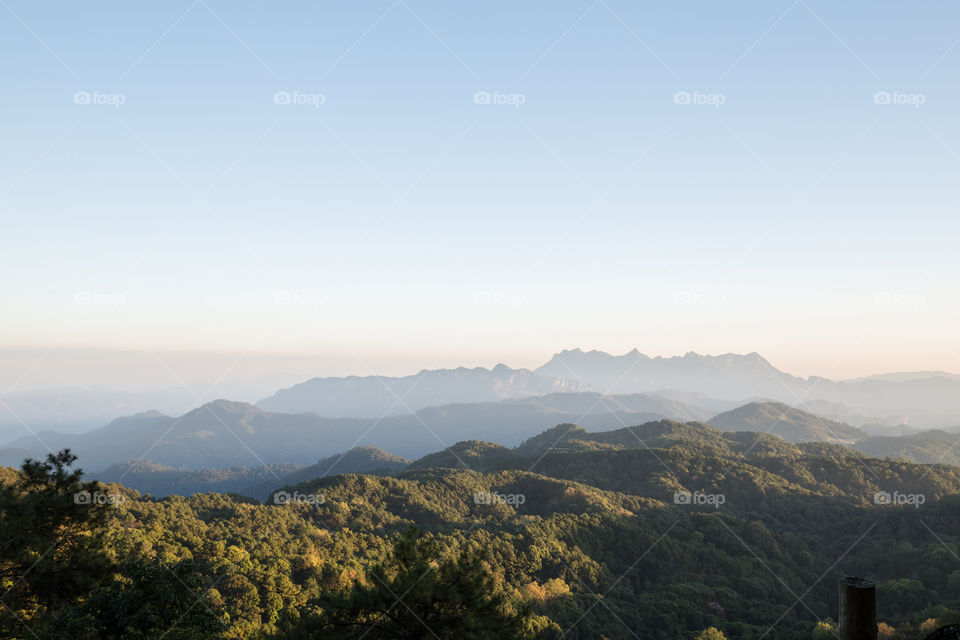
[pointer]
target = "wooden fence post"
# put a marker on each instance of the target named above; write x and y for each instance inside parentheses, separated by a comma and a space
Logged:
(858, 609)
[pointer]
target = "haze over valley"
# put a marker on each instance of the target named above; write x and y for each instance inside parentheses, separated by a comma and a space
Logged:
(231, 445)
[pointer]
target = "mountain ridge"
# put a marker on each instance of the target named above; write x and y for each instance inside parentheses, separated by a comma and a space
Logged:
(790, 423)
(225, 433)
(373, 396)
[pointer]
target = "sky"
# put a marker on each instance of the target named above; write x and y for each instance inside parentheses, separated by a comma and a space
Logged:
(350, 187)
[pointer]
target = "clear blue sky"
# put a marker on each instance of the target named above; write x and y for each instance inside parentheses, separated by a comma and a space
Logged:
(400, 219)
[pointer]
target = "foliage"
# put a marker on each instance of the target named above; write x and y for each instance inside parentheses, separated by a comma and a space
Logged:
(48, 555)
(825, 630)
(417, 592)
(597, 549)
(145, 602)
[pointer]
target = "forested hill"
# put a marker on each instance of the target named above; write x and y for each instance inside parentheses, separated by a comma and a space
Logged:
(934, 445)
(680, 527)
(258, 482)
(757, 474)
(787, 422)
(768, 510)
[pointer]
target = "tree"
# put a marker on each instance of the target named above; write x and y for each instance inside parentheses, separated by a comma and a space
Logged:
(146, 602)
(417, 592)
(49, 556)
(825, 630)
(928, 625)
(711, 633)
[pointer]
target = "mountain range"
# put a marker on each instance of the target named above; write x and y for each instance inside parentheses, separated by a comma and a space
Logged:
(234, 447)
(226, 434)
(411, 416)
(711, 383)
(922, 399)
(680, 525)
(374, 396)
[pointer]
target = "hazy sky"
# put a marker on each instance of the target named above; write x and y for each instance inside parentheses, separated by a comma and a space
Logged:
(323, 179)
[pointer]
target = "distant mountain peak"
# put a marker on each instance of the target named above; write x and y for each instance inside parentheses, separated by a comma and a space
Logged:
(551, 438)
(467, 454)
(231, 405)
(728, 376)
(152, 413)
(223, 406)
(790, 423)
(375, 396)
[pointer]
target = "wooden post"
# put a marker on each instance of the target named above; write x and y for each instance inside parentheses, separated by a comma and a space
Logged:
(858, 609)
